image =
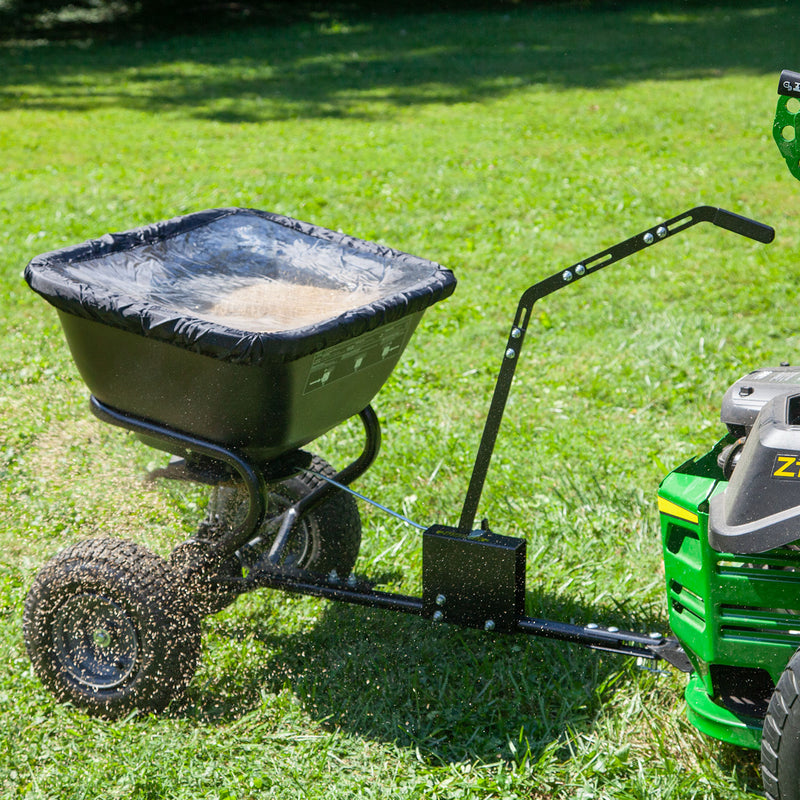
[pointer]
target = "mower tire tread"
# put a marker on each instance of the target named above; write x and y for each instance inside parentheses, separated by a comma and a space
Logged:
(780, 739)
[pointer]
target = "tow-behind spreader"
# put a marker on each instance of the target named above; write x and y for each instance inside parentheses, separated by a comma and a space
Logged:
(233, 338)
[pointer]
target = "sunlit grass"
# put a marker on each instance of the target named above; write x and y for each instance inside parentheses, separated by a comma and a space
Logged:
(504, 145)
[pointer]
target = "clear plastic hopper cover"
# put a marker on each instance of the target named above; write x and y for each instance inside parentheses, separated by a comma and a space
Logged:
(226, 281)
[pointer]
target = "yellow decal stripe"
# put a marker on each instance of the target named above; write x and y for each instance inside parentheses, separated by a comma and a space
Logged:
(667, 507)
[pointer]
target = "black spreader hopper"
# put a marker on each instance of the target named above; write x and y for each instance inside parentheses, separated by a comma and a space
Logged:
(244, 328)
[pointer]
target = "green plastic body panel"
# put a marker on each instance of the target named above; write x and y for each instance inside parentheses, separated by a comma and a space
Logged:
(786, 124)
(737, 616)
(716, 720)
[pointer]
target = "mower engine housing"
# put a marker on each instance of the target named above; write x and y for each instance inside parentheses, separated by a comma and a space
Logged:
(730, 523)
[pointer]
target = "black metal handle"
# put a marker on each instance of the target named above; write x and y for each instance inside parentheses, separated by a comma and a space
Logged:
(744, 225)
(789, 84)
(560, 280)
(717, 216)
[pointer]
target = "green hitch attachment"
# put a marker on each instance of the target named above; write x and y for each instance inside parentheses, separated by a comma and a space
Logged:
(785, 128)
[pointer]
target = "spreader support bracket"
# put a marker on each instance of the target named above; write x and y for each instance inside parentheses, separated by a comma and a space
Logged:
(560, 280)
(251, 474)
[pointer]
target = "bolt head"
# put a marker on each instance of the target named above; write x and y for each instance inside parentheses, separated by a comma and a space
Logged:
(580, 270)
(511, 353)
(649, 238)
(489, 625)
(438, 616)
(516, 333)
(566, 275)
(661, 231)
(440, 599)
(101, 637)
(655, 635)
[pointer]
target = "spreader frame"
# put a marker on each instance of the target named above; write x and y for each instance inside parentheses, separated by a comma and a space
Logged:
(446, 550)
(471, 577)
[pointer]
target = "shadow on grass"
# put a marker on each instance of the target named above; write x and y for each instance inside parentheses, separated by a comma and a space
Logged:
(452, 694)
(355, 67)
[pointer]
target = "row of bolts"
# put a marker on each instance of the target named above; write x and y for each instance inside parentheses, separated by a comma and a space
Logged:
(489, 625)
(580, 271)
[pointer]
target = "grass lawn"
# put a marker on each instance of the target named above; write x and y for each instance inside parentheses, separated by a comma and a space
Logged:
(504, 144)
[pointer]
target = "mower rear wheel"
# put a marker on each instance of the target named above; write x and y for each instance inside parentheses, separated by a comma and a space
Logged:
(780, 740)
(107, 629)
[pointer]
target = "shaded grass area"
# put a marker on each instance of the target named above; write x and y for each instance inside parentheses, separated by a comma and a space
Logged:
(505, 144)
(60, 20)
(329, 69)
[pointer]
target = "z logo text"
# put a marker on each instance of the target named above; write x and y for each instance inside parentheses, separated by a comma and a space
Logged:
(786, 467)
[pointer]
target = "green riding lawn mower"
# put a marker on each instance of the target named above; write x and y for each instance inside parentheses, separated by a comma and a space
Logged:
(730, 523)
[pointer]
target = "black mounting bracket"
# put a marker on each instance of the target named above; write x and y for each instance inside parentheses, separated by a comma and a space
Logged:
(474, 579)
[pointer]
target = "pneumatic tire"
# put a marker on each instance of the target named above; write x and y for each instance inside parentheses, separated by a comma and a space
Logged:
(780, 740)
(107, 629)
(328, 538)
(324, 540)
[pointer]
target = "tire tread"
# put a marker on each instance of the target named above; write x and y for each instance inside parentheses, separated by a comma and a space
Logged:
(780, 739)
(142, 579)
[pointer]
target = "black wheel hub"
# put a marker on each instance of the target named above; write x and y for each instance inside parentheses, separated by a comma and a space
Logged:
(95, 642)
